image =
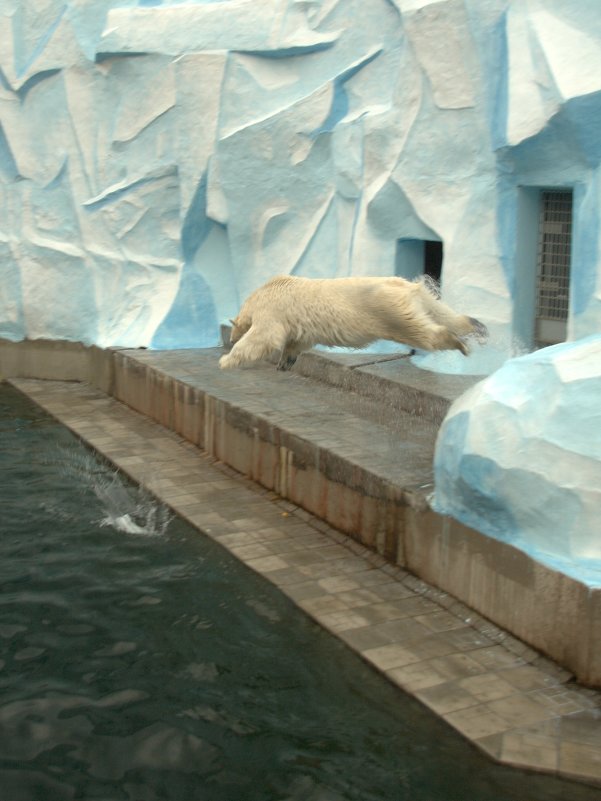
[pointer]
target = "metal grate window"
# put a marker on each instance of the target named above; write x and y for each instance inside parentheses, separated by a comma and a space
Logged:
(553, 275)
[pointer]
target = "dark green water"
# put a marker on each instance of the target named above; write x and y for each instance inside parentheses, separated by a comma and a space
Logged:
(143, 667)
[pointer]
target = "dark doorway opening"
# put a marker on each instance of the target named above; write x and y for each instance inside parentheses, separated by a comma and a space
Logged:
(417, 257)
(433, 259)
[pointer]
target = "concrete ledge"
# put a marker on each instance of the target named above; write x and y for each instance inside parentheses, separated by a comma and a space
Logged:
(331, 452)
(393, 381)
(390, 379)
(339, 490)
(57, 361)
(550, 611)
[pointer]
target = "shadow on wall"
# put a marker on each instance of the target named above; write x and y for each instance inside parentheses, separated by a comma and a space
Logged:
(191, 318)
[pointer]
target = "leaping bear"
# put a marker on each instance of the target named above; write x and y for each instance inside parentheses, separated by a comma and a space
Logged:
(291, 314)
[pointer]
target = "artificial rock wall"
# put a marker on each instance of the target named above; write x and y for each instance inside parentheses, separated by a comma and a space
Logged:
(158, 161)
(518, 457)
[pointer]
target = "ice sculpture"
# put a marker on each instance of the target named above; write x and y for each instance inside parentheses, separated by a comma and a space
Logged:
(160, 160)
(518, 457)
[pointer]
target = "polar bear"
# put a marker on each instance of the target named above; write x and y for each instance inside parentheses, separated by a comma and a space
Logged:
(292, 314)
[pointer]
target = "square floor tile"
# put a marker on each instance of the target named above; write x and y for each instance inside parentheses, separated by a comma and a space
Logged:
(476, 722)
(446, 697)
(389, 656)
(528, 749)
(487, 687)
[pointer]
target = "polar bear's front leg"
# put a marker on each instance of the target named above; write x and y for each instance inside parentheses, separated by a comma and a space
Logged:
(259, 342)
(229, 360)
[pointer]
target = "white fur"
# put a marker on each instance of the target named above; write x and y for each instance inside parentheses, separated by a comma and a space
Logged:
(291, 314)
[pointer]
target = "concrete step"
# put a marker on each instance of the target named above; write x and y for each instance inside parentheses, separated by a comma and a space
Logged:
(391, 380)
(340, 436)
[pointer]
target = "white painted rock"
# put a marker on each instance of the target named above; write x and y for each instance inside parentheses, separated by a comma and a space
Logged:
(518, 457)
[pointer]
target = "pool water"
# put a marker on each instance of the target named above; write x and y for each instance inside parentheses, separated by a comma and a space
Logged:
(141, 661)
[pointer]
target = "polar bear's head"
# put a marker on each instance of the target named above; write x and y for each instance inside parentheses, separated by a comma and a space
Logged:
(239, 328)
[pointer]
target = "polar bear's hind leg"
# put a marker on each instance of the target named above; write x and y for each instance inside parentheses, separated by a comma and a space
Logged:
(431, 337)
(458, 324)
(479, 330)
(286, 362)
(289, 355)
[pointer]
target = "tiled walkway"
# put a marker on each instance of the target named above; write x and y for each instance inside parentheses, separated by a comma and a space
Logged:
(515, 705)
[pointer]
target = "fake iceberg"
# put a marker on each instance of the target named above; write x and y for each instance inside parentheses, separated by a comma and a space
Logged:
(518, 457)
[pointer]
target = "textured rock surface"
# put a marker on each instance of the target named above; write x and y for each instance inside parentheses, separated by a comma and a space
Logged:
(518, 457)
(160, 160)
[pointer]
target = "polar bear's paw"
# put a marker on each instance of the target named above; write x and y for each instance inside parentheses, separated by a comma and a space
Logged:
(443, 339)
(227, 362)
(480, 331)
(286, 362)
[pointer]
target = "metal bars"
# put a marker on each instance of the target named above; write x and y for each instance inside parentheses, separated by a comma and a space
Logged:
(553, 273)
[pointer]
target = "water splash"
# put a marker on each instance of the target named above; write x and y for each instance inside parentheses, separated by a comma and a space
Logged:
(127, 508)
(483, 359)
(131, 510)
